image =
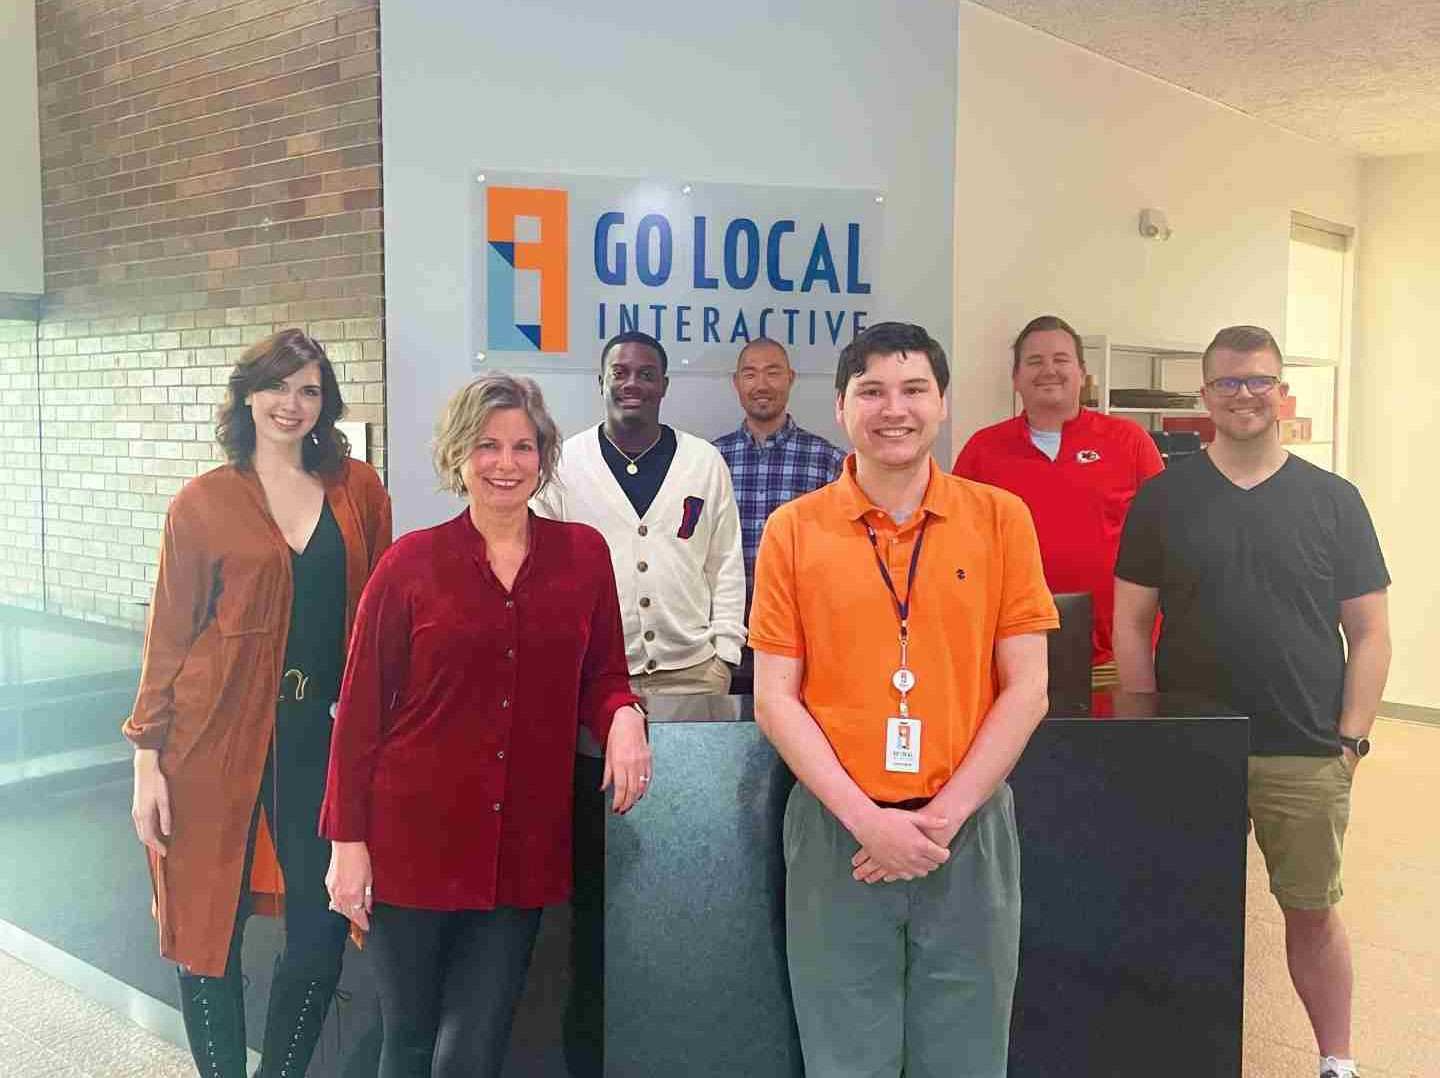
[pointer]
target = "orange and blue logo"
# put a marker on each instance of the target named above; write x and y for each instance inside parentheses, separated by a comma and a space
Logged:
(506, 255)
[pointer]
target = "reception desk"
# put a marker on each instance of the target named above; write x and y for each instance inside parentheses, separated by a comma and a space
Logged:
(1132, 827)
(1132, 823)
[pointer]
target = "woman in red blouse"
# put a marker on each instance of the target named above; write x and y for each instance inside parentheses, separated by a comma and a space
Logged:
(479, 648)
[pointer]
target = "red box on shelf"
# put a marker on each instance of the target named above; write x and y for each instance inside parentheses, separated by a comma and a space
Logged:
(1202, 425)
(1294, 430)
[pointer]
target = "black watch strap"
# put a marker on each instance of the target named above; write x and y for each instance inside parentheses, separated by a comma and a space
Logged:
(1360, 746)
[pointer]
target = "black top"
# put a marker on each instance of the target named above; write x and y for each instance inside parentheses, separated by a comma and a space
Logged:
(1250, 584)
(316, 643)
(650, 468)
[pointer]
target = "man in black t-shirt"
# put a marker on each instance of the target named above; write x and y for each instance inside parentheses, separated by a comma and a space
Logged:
(1259, 560)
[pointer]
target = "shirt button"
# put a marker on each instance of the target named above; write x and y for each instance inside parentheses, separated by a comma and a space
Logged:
(642, 566)
(644, 601)
(509, 653)
(649, 634)
(644, 530)
(509, 603)
(497, 806)
(500, 755)
(650, 664)
(505, 702)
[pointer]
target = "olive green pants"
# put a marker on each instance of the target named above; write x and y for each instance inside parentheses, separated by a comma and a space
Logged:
(914, 977)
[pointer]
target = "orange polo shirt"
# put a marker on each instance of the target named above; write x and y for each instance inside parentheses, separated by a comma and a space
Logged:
(819, 596)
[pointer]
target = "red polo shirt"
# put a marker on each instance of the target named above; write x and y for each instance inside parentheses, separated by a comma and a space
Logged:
(1078, 500)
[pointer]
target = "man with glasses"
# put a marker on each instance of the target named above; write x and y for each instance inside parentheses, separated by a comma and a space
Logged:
(1260, 561)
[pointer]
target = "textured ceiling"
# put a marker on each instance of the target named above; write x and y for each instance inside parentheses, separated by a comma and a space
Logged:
(1361, 74)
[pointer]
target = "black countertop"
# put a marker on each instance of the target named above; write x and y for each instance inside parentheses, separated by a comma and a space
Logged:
(1098, 706)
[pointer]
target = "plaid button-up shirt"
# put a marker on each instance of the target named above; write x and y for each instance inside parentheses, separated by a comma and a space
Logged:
(789, 463)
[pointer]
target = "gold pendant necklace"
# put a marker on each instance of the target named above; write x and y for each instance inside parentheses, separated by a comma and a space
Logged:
(632, 467)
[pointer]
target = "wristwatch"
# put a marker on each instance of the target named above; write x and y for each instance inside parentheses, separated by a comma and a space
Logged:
(1360, 746)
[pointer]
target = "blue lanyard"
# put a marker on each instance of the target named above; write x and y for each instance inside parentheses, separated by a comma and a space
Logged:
(901, 607)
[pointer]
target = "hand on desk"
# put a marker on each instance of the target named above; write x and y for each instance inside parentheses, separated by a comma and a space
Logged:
(628, 764)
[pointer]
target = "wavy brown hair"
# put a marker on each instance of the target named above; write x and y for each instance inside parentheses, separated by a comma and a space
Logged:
(263, 364)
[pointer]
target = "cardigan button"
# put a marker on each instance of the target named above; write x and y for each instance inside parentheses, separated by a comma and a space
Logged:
(651, 664)
(649, 634)
(644, 601)
(642, 566)
(644, 530)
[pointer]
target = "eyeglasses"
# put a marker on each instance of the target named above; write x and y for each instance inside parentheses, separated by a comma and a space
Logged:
(1257, 384)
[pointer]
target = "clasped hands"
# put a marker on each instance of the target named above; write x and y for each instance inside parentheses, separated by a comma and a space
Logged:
(900, 845)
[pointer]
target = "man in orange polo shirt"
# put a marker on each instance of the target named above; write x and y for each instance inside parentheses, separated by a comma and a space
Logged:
(899, 626)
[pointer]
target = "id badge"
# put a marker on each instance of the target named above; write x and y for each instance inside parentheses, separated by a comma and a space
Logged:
(902, 745)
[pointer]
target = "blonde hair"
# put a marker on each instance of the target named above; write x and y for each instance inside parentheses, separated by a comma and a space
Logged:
(469, 410)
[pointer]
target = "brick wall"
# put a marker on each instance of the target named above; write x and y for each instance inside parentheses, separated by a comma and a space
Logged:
(211, 173)
(19, 466)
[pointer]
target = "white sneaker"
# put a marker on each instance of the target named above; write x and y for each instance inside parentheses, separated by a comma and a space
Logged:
(1330, 1067)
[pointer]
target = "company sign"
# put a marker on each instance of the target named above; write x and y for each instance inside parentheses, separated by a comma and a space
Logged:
(562, 263)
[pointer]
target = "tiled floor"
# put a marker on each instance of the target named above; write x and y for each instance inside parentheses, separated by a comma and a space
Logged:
(49, 1030)
(1392, 908)
(1392, 880)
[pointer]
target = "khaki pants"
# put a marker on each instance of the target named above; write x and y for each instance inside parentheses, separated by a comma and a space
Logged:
(710, 676)
(914, 977)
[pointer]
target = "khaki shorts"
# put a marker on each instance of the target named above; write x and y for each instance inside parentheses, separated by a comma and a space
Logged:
(1300, 808)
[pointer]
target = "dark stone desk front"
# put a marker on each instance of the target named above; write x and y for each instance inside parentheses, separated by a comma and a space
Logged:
(1133, 845)
(1133, 835)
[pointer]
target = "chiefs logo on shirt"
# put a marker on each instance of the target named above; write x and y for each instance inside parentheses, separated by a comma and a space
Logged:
(1087, 456)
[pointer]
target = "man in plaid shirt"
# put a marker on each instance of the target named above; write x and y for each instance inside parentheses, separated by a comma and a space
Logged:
(771, 459)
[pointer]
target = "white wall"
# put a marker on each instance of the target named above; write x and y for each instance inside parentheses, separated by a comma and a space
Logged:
(811, 93)
(1395, 398)
(1058, 150)
(21, 251)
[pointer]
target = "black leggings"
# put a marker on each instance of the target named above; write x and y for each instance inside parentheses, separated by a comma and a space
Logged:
(449, 982)
(290, 792)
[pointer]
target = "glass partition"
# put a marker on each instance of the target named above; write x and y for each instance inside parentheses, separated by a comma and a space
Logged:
(64, 682)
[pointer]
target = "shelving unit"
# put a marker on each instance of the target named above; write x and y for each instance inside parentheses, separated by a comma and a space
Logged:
(1156, 411)
(1175, 366)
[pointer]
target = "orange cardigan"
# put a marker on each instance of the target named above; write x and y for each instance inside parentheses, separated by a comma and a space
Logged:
(209, 679)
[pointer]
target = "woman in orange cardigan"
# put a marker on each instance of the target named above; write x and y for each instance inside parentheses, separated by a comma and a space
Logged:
(261, 567)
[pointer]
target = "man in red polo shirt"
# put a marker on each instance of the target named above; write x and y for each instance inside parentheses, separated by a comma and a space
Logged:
(1076, 469)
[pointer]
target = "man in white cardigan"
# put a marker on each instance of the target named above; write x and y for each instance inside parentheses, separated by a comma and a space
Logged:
(665, 505)
(664, 502)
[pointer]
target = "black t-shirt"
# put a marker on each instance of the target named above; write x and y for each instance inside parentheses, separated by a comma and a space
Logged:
(651, 467)
(1250, 584)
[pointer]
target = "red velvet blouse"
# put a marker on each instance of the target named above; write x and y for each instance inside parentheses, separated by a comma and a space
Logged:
(454, 744)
